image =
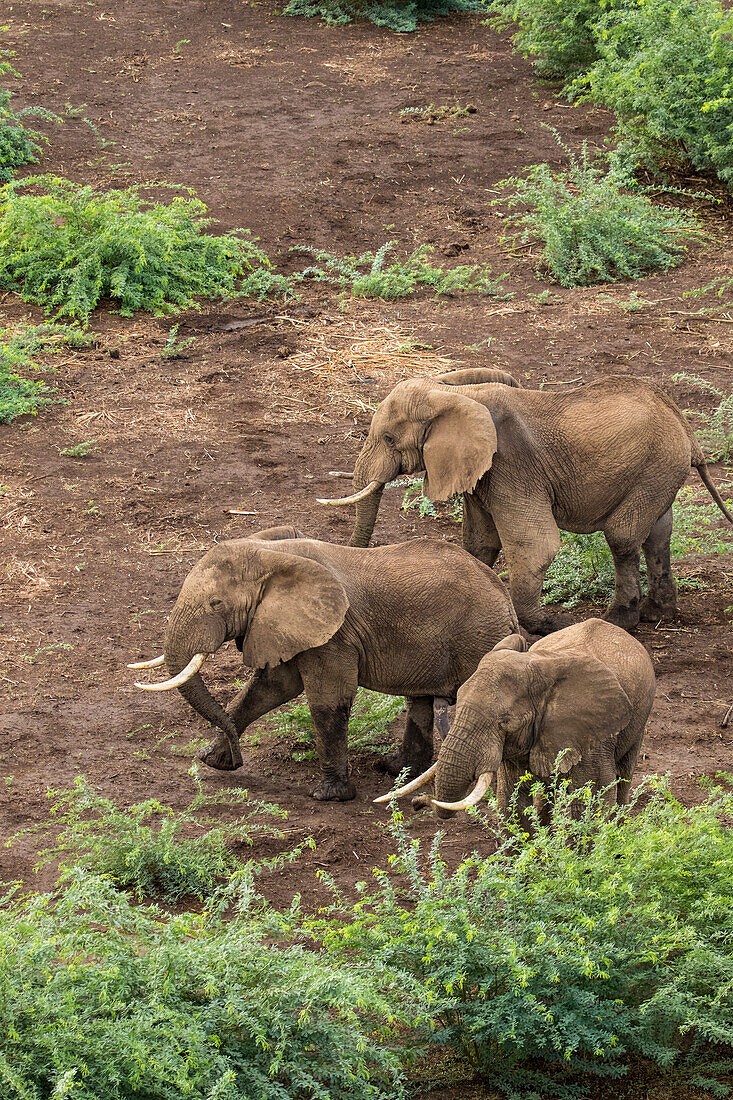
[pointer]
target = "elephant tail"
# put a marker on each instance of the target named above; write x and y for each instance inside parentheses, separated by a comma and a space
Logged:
(698, 461)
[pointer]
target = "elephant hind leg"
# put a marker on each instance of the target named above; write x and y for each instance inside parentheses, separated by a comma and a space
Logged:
(416, 752)
(624, 609)
(661, 598)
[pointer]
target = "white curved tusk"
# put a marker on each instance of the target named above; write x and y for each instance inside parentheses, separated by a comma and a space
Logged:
(414, 785)
(175, 681)
(155, 663)
(342, 473)
(478, 792)
(366, 492)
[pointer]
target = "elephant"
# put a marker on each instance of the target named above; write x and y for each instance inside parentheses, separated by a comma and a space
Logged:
(609, 456)
(412, 620)
(587, 690)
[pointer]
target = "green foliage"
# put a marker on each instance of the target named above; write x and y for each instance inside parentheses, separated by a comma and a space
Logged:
(561, 33)
(402, 16)
(18, 145)
(583, 569)
(80, 450)
(369, 722)
(593, 231)
(366, 276)
(20, 395)
(414, 497)
(145, 848)
(666, 68)
(173, 346)
(715, 429)
(562, 955)
(67, 247)
(103, 999)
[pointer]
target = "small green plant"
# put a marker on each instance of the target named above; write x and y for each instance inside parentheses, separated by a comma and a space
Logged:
(369, 722)
(591, 229)
(564, 955)
(632, 304)
(432, 114)
(402, 16)
(104, 999)
(414, 498)
(366, 276)
(20, 395)
(714, 429)
(80, 450)
(145, 848)
(18, 145)
(68, 247)
(173, 346)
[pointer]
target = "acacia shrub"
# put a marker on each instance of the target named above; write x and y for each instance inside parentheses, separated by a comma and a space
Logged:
(402, 16)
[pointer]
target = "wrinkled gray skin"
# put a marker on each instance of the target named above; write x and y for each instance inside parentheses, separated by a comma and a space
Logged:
(410, 620)
(588, 689)
(610, 456)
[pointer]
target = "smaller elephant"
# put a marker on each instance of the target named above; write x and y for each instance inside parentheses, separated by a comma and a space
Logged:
(587, 689)
(412, 620)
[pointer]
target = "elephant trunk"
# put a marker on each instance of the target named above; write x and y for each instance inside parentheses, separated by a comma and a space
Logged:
(366, 509)
(178, 650)
(469, 752)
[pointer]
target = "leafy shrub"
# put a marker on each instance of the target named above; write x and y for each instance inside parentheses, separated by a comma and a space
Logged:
(666, 68)
(562, 33)
(67, 247)
(20, 395)
(396, 15)
(414, 498)
(103, 998)
(714, 429)
(18, 145)
(366, 276)
(593, 231)
(144, 848)
(369, 722)
(601, 938)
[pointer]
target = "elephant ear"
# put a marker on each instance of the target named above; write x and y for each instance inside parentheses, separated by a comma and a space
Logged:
(514, 642)
(583, 704)
(459, 446)
(301, 605)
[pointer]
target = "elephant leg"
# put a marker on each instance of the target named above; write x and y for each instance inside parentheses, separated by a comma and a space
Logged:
(416, 753)
(478, 531)
(624, 609)
(661, 598)
(528, 562)
(265, 690)
(330, 688)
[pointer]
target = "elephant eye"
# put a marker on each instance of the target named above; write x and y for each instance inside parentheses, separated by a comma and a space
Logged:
(216, 605)
(389, 439)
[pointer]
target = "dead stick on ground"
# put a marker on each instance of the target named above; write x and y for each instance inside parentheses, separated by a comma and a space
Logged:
(236, 512)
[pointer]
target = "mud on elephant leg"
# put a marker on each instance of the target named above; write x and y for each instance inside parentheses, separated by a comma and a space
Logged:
(624, 610)
(330, 690)
(661, 599)
(416, 753)
(265, 689)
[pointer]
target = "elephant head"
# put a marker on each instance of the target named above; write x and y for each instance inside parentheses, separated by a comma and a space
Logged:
(423, 424)
(273, 603)
(526, 705)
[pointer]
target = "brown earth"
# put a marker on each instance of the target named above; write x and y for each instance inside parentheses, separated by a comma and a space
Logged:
(292, 129)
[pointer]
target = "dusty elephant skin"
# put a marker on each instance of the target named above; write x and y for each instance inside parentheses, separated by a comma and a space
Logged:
(588, 690)
(610, 456)
(410, 620)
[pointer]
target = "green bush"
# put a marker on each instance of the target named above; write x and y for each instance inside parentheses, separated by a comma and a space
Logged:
(396, 15)
(144, 848)
(665, 67)
(715, 429)
(591, 229)
(369, 722)
(366, 276)
(20, 395)
(602, 938)
(18, 145)
(66, 247)
(103, 999)
(561, 33)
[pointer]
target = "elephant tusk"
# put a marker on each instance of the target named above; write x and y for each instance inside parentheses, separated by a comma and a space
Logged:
(175, 681)
(414, 785)
(155, 663)
(478, 792)
(341, 473)
(355, 497)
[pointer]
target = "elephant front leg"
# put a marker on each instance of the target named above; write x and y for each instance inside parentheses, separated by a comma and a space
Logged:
(478, 531)
(416, 753)
(528, 562)
(264, 690)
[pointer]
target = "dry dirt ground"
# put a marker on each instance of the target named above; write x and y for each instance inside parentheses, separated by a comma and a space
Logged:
(292, 129)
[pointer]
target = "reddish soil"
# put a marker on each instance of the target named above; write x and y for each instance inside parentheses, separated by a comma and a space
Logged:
(292, 129)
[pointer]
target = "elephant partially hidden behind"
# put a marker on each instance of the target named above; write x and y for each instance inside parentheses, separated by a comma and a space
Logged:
(412, 620)
(610, 456)
(586, 691)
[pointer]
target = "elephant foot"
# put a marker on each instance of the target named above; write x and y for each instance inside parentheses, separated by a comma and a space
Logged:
(548, 623)
(421, 802)
(334, 790)
(625, 617)
(396, 763)
(651, 611)
(218, 754)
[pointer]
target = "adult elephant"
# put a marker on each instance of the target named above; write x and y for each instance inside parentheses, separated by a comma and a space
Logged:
(412, 620)
(610, 456)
